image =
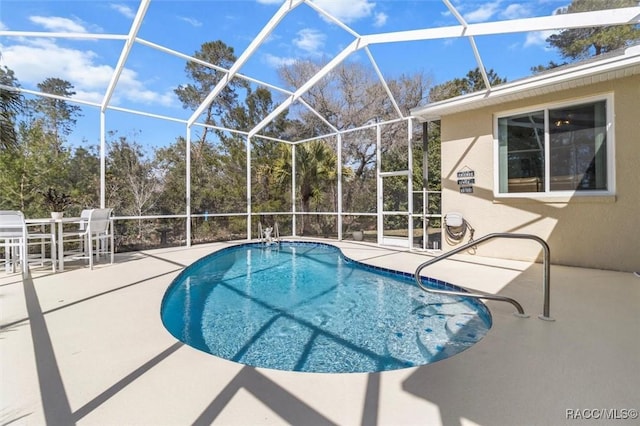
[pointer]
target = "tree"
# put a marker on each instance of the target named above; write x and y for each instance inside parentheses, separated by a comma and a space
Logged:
(36, 158)
(210, 192)
(205, 78)
(316, 172)
(11, 103)
(319, 96)
(580, 43)
(34, 166)
(132, 177)
(472, 82)
(172, 170)
(542, 68)
(264, 152)
(57, 115)
(84, 176)
(171, 164)
(352, 96)
(132, 181)
(348, 97)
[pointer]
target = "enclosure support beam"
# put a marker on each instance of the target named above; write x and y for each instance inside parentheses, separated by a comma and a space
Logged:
(597, 18)
(187, 191)
(249, 189)
(379, 188)
(474, 47)
(246, 55)
(339, 144)
(410, 181)
(128, 45)
(293, 190)
(103, 161)
(337, 60)
(425, 184)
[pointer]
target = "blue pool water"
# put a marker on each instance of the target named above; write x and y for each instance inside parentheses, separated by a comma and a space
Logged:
(305, 307)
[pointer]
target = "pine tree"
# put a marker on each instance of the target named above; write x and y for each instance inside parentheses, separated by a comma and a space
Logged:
(581, 43)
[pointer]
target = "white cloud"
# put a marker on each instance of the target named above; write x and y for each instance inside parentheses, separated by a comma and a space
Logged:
(191, 21)
(516, 11)
(310, 40)
(347, 11)
(538, 38)
(124, 10)
(489, 10)
(59, 24)
(380, 19)
(134, 90)
(483, 13)
(3, 27)
(277, 61)
(38, 59)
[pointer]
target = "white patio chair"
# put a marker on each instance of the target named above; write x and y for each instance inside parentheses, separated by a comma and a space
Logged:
(96, 232)
(16, 236)
(37, 235)
(13, 234)
(77, 235)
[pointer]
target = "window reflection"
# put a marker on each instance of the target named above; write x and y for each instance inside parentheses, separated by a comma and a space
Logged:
(575, 149)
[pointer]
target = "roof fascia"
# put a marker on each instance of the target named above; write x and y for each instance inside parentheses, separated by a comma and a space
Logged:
(438, 109)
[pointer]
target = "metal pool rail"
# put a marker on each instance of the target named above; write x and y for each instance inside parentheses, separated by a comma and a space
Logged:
(546, 273)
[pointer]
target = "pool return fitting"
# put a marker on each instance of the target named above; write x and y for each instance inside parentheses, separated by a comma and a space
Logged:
(546, 272)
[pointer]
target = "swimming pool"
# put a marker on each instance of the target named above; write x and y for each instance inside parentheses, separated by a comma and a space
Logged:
(303, 306)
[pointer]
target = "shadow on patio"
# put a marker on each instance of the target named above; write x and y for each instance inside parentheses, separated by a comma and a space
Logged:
(88, 347)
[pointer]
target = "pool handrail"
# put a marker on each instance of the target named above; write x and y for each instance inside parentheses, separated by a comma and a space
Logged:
(546, 273)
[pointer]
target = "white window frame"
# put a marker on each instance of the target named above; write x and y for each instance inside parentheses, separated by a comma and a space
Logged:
(547, 194)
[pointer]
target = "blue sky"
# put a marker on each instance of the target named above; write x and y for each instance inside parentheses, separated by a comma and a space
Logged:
(150, 76)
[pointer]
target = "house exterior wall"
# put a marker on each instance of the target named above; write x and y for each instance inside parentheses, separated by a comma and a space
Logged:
(587, 231)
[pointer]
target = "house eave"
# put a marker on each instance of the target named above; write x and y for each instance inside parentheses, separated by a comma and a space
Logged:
(612, 68)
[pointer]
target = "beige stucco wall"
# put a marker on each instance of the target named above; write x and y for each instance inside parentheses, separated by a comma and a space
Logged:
(595, 232)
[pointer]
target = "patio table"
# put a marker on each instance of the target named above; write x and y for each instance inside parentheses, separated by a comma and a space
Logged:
(56, 226)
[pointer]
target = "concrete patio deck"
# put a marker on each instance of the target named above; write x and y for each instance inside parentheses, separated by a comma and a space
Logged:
(88, 347)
